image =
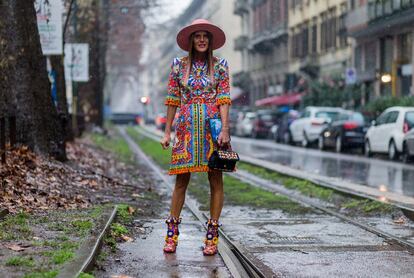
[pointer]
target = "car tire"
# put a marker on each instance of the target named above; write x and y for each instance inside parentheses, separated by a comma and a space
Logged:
(405, 156)
(367, 149)
(338, 145)
(305, 141)
(392, 151)
(321, 143)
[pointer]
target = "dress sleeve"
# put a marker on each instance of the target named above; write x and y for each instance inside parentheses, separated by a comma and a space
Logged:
(223, 86)
(173, 92)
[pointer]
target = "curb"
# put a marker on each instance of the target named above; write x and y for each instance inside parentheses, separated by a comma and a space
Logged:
(88, 252)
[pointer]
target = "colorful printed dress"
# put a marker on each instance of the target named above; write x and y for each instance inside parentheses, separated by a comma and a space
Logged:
(198, 101)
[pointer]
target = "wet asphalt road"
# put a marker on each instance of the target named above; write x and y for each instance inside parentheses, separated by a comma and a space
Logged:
(378, 173)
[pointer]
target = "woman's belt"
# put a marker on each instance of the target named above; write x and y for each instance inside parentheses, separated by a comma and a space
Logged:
(199, 100)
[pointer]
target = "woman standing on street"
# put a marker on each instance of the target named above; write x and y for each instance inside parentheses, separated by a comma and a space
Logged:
(199, 86)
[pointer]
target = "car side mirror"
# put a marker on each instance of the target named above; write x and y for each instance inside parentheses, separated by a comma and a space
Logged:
(373, 123)
(328, 121)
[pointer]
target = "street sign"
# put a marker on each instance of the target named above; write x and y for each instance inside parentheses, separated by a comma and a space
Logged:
(77, 62)
(49, 23)
(350, 76)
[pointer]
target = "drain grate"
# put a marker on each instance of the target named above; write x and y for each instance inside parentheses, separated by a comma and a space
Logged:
(295, 240)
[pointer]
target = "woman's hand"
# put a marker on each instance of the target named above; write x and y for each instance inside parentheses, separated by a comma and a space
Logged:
(224, 138)
(165, 141)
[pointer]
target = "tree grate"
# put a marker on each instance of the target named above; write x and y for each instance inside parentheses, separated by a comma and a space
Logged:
(295, 240)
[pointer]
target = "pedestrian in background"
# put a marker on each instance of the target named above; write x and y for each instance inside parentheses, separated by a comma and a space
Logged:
(199, 86)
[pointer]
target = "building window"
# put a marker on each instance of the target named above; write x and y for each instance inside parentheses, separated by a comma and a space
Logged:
(406, 50)
(314, 36)
(358, 59)
(370, 56)
(305, 40)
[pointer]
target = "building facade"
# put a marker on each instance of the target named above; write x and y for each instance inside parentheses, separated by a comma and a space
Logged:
(263, 44)
(318, 43)
(383, 48)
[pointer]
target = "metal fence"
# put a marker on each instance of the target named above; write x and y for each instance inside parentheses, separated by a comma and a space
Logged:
(7, 136)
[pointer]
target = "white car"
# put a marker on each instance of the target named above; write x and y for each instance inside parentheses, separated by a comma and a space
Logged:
(244, 125)
(387, 132)
(307, 128)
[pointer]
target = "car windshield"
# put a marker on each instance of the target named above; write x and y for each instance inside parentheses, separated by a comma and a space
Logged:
(409, 119)
(357, 117)
(327, 114)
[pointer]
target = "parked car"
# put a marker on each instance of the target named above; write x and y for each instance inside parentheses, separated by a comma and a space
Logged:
(160, 121)
(408, 146)
(233, 117)
(282, 133)
(387, 133)
(307, 128)
(346, 131)
(125, 118)
(244, 124)
(264, 120)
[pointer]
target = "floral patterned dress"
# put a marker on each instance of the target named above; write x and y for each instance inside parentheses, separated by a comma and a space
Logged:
(198, 101)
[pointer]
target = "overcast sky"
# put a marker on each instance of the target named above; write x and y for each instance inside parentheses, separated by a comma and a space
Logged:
(169, 9)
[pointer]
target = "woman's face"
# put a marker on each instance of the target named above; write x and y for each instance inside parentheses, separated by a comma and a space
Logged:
(200, 41)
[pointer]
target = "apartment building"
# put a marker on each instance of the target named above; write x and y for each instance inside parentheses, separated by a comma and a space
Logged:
(318, 43)
(383, 49)
(263, 44)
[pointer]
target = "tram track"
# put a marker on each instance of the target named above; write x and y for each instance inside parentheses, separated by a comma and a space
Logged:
(269, 185)
(233, 256)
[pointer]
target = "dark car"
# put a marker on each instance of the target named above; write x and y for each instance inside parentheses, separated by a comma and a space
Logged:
(283, 134)
(408, 141)
(347, 130)
(263, 122)
(125, 118)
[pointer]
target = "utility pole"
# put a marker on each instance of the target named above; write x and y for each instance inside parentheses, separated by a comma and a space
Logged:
(74, 84)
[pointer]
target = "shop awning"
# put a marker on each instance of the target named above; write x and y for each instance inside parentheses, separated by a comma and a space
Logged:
(287, 99)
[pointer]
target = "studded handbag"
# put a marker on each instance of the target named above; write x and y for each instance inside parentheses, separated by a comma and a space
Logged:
(222, 160)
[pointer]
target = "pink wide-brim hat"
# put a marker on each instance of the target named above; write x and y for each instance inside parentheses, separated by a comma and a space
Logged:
(183, 37)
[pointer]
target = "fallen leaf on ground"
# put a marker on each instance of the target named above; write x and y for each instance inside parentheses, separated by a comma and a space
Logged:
(15, 247)
(131, 210)
(126, 238)
(400, 220)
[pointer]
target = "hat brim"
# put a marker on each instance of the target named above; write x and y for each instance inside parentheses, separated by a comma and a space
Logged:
(183, 37)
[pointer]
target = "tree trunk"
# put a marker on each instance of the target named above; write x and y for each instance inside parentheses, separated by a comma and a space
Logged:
(62, 104)
(29, 87)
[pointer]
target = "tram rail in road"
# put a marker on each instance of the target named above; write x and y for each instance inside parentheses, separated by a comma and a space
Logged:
(235, 259)
(259, 182)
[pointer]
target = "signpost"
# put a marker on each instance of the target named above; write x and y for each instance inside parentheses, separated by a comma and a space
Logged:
(77, 62)
(350, 76)
(49, 22)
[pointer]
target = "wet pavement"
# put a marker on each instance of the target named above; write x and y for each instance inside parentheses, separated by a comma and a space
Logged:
(283, 245)
(377, 173)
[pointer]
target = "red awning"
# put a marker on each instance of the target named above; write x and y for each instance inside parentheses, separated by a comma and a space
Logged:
(280, 100)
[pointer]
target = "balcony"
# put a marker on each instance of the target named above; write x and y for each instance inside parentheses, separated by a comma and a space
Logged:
(241, 7)
(241, 42)
(265, 40)
(242, 80)
(378, 17)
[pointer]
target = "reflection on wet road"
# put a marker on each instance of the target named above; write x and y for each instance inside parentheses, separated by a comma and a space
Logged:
(383, 175)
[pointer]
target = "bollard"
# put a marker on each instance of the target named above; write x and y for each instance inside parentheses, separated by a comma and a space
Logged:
(12, 131)
(3, 140)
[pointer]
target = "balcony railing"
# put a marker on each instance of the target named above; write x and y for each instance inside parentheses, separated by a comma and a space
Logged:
(241, 42)
(262, 41)
(378, 9)
(240, 7)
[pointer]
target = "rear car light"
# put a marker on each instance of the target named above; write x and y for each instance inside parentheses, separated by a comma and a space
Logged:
(406, 128)
(350, 125)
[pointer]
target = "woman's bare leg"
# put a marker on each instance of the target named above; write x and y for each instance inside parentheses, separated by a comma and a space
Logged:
(178, 196)
(217, 194)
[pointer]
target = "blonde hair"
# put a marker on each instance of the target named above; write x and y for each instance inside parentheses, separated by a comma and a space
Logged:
(210, 59)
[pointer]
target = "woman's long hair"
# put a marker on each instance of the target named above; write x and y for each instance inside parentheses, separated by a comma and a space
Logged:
(210, 62)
